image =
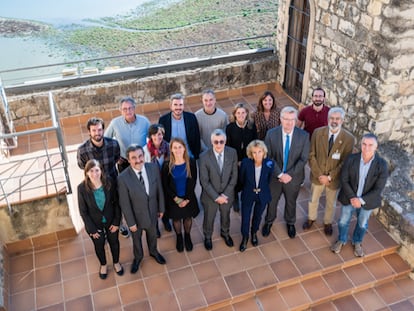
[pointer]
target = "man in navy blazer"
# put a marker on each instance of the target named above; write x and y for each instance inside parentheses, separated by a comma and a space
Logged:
(363, 177)
(183, 124)
(141, 199)
(289, 167)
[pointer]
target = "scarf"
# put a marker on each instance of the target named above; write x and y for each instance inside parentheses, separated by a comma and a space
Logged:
(156, 153)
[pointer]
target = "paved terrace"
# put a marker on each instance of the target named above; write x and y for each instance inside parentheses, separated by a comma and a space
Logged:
(279, 274)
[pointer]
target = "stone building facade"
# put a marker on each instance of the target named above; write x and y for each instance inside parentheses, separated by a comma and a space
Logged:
(362, 53)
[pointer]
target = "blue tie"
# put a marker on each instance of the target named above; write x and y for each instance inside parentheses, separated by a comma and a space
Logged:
(286, 157)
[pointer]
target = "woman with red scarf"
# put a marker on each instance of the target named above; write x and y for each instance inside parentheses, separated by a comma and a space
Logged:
(157, 150)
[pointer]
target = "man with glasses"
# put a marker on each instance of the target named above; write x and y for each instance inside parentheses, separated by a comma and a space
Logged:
(129, 128)
(218, 178)
(315, 115)
(288, 146)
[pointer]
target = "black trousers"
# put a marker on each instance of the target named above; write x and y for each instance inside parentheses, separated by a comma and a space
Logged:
(113, 241)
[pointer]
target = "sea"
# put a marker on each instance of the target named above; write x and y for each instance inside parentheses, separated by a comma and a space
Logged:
(26, 51)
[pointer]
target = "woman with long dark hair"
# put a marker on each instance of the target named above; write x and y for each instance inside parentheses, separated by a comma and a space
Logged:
(267, 115)
(99, 209)
(179, 176)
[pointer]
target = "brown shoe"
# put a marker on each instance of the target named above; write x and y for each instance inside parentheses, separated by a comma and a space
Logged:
(328, 229)
(307, 225)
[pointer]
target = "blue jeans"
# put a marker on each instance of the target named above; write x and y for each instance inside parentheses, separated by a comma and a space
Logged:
(360, 227)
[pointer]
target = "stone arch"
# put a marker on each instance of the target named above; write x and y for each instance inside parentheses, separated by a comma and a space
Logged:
(283, 29)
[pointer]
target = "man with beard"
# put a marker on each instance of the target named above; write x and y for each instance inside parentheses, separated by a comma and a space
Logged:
(330, 145)
(105, 150)
(315, 115)
(182, 124)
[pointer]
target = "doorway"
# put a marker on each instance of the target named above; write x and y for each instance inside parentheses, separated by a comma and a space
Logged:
(296, 45)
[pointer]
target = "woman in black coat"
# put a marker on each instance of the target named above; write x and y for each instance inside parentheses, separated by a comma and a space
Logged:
(179, 176)
(99, 209)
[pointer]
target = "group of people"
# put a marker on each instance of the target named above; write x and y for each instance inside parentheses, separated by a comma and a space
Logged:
(148, 172)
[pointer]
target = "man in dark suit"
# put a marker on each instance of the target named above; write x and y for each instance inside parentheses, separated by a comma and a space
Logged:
(182, 124)
(142, 201)
(363, 177)
(289, 148)
(218, 178)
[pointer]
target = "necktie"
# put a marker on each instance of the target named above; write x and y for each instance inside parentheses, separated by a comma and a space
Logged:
(286, 155)
(141, 179)
(220, 161)
(330, 143)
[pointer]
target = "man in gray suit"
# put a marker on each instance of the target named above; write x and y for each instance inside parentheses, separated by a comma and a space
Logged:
(142, 201)
(218, 177)
(289, 147)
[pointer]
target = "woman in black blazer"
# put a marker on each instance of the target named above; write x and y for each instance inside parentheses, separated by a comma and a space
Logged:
(99, 209)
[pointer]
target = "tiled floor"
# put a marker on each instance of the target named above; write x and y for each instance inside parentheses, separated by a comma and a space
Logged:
(279, 274)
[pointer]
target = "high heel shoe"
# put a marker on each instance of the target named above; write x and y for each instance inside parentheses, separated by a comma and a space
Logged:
(255, 242)
(243, 244)
(180, 245)
(119, 271)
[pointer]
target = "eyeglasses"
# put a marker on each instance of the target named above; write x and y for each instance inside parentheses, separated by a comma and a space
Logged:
(216, 142)
(128, 109)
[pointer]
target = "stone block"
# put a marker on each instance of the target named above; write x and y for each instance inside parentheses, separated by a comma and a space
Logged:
(319, 52)
(384, 126)
(363, 94)
(402, 62)
(324, 4)
(340, 10)
(377, 24)
(362, 4)
(326, 19)
(326, 42)
(334, 22)
(374, 8)
(366, 21)
(368, 67)
(406, 88)
(345, 65)
(347, 28)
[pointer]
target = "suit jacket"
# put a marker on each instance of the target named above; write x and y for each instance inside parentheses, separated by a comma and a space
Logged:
(298, 152)
(247, 181)
(323, 164)
(374, 182)
(192, 131)
(92, 215)
(139, 208)
(213, 182)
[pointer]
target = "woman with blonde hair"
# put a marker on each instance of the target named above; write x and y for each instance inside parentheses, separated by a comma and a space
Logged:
(267, 115)
(254, 176)
(179, 176)
(99, 209)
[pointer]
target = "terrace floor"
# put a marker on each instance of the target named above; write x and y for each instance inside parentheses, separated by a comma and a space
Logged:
(279, 274)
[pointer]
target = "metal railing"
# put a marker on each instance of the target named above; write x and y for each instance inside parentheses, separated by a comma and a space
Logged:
(144, 59)
(42, 173)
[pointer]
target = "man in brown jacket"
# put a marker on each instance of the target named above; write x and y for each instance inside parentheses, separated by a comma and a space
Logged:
(330, 145)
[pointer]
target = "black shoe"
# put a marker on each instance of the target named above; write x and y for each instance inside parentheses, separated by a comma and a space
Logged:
(266, 229)
(135, 265)
(228, 240)
(188, 243)
(180, 245)
(102, 275)
(159, 259)
(167, 225)
(120, 271)
(327, 228)
(208, 244)
(243, 244)
(307, 225)
(291, 230)
(255, 242)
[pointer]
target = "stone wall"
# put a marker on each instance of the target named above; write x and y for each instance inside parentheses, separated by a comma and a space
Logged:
(77, 100)
(362, 53)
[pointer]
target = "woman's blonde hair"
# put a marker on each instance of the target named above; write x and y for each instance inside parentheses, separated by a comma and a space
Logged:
(256, 143)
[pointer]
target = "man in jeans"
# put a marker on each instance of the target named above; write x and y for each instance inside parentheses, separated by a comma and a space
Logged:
(363, 178)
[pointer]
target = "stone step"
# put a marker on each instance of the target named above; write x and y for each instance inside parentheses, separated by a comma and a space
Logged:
(305, 291)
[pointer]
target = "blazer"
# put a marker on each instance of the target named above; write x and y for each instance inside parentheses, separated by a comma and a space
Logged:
(139, 208)
(92, 215)
(298, 152)
(247, 181)
(192, 131)
(213, 182)
(374, 183)
(323, 164)
(171, 191)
